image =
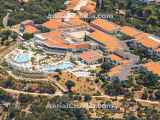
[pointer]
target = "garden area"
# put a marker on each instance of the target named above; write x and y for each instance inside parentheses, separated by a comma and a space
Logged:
(28, 87)
(79, 85)
(148, 82)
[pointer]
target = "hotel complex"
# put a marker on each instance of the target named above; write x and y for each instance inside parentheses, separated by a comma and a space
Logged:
(71, 38)
(80, 60)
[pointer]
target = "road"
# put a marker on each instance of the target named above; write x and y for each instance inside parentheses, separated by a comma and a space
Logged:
(127, 68)
(31, 93)
(144, 102)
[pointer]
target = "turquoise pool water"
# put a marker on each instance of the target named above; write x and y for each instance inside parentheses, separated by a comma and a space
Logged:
(65, 65)
(62, 66)
(22, 58)
(49, 68)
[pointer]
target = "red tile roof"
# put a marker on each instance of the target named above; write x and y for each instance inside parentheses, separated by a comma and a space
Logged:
(90, 56)
(59, 22)
(105, 25)
(111, 43)
(149, 43)
(130, 31)
(54, 39)
(141, 37)
(30, 29)
(115, 70)
(153, 67)
(53, 24)
(116, 58)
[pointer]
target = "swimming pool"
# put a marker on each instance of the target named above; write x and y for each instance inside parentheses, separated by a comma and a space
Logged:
(48, 68)
(65, 65)
(53, 68)
(22, 58)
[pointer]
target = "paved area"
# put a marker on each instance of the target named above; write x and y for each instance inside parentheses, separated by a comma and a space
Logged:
(127, 68)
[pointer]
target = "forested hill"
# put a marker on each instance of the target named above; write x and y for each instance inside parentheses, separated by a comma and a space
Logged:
(145, 17)
(36, 10)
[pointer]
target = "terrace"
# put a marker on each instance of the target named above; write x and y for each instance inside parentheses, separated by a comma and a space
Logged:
(62, 41)
(83, 83)
(32, 63)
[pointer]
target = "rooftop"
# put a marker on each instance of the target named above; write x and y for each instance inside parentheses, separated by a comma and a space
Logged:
(149, 43)
(90, 56)
(145, 39)
(63, 20)
(53, 24)
(119, 59)
(105, 25)
(30, 29)
(153, 67)
(130, 31)
(116, 58)
(112, 43)
(55, 39)
(115, 71)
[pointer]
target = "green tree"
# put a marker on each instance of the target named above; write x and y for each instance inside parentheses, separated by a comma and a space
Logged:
(24, 98)
(157, 94)
(69, 84)
(87, 98)
(27, 36)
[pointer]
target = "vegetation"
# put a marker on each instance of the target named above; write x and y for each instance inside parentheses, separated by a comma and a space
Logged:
(148, 113)
(28, 87)
(144, 55)
(40, 110)
(135, 13)
(115, 88)
(87, 98)
(4, 97)
(7, 36)
(126, 12)
(147, 82)
(69, 85)
(147, 79)
(25, 98)
(42, 29)
(27, 36)
(37, 10)
(107, 65)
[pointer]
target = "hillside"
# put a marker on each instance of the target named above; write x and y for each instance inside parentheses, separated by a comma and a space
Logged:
(36, 10)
